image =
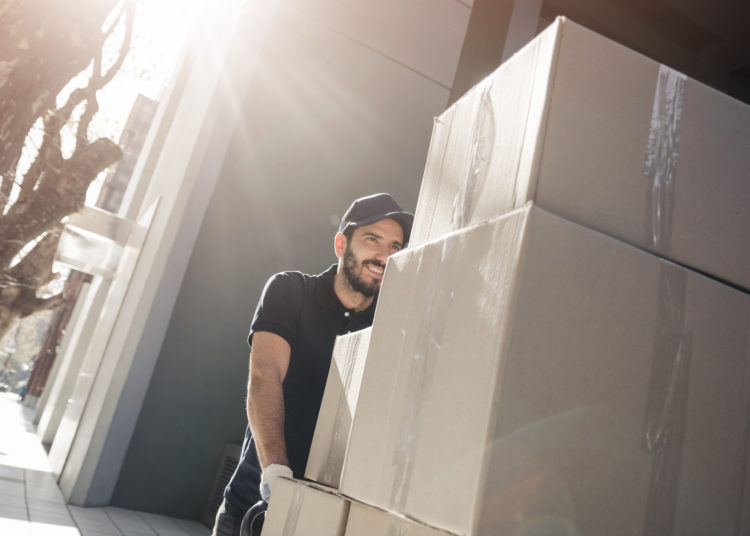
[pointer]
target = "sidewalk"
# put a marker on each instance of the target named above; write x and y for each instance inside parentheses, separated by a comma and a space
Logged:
(31, 503)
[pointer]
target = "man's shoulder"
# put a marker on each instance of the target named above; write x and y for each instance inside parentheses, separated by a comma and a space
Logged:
(297, 279)
(284, 285)
(291, 278)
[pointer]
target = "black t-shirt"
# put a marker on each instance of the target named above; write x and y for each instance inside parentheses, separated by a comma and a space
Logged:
(305, 311)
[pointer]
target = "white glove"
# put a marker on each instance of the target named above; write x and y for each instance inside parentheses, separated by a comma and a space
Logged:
(269, 476)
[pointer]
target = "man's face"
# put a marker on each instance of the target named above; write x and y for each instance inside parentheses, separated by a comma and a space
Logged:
(366, 253)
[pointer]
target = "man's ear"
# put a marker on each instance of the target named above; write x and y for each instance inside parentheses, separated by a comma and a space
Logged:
(339, 245)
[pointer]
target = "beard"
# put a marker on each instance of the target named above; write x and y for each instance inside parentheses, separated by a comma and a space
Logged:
(353, 272)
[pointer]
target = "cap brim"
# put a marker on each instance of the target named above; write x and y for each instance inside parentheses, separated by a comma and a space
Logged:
(404, 219)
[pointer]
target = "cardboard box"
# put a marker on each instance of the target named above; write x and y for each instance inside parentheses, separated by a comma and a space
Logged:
(337, 408)
(368, 521)
(530, 373)
(604, 137)
(297, 508)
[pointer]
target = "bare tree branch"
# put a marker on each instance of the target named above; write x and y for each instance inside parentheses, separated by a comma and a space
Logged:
(125, 46)
(58, 194)
(44, 46)
(121, 9)
(35, 269)
(49, 156)
(35, 304)
(92, 106)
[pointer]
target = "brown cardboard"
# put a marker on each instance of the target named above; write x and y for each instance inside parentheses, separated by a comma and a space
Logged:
(337, 408)
(569, 123)
(530, 373)
(368, 521)
(299, 509)
(428, 196)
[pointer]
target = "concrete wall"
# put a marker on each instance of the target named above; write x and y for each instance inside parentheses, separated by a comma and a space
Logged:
(340, 106)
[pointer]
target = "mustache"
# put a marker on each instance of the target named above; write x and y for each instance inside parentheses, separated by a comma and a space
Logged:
(374, 262)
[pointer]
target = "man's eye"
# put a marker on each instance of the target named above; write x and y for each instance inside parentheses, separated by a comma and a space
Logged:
(371, 239)
(396, 248)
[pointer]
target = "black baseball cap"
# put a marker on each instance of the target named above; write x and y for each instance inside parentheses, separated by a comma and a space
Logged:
(367, 210)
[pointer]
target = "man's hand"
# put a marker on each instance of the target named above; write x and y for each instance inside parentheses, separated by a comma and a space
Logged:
(269, 476)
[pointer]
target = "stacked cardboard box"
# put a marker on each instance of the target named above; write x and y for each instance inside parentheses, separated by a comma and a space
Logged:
(337, 408)
(365, 520)
(300, 508)
(530, 369)
(604, 137)
(539, 361)
(316, 506)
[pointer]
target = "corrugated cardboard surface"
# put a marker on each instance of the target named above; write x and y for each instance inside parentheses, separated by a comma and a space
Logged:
(428, 195)
(432, 303)
(367, 521)
(570, 122)
(337, 408)
(299, 509)
(537, 374)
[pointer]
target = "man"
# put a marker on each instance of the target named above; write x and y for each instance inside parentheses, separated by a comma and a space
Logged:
(291, 340)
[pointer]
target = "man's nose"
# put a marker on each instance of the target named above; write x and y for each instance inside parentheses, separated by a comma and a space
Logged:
(383, 252)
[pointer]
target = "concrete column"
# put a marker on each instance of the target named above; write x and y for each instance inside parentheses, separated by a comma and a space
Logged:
(58, 392)
(184, 174)
(524, 21)
(497, 29)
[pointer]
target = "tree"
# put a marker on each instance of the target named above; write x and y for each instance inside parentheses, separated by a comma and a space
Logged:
(45, 45)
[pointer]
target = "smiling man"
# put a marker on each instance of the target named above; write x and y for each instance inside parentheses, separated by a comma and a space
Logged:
(291, 340)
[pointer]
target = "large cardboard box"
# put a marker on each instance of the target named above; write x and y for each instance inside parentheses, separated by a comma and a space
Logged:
(331, 435)
(604, 137)
(297, 508)
(368, 521)
(531, 373)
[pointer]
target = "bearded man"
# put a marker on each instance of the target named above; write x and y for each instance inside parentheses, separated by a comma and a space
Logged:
(291, 341)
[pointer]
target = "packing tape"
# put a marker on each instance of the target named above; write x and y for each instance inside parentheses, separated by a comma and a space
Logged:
(480, 157)
(292, 517)
(429, 334)
(742, 519)
(666, 408)
(437, 152)
(341, 424)
(662, 151)
(396, 527)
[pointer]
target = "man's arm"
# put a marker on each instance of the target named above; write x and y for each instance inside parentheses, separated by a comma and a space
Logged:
(269, 362)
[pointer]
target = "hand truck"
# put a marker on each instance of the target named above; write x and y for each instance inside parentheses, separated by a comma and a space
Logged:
(252, 523)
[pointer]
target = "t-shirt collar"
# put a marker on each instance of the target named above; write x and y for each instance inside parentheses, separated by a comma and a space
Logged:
(324, 292)
(327, 298)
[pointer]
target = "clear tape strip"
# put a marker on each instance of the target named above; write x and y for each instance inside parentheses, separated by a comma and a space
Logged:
(292, 517)
(662, 152)
(428, 342)
(666, 408)
(483, 141)
(396, 527)
(342, 420)
(742, 519)
(418, 235)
